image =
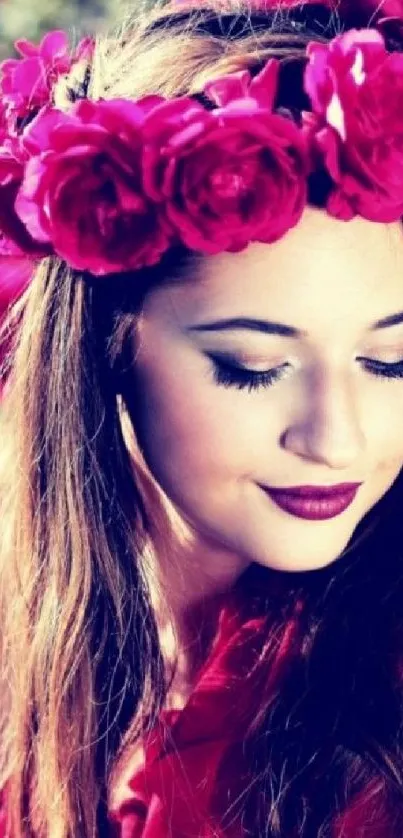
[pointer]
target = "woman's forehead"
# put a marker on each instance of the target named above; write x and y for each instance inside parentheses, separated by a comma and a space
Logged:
(323, 270)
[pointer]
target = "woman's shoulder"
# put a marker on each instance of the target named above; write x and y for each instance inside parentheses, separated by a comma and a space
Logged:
(119, 788)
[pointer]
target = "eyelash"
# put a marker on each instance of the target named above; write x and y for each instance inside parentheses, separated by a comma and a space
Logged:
(231, 375)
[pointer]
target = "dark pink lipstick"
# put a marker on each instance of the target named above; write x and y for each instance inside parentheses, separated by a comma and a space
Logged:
(316, 503)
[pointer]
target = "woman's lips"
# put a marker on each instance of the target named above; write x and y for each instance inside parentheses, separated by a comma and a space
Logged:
(307, 502)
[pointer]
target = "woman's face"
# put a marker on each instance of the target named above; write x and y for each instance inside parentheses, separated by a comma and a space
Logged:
(327, 419)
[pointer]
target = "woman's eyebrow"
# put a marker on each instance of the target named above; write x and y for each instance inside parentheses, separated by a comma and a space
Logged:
(269, 327)
(256, 325)
(390, 320)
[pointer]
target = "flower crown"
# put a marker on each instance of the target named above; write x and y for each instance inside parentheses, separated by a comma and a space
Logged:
(110, 185)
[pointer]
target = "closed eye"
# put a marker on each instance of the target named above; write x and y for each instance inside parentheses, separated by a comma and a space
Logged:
(382, 369)
(234, 375)
(228, 374)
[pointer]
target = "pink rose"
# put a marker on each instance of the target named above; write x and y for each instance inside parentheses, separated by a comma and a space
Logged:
(82, 191)
(3, 123)
(230, 175)
(15, 275)
(14, 238)
(26, 84)
(356, 124)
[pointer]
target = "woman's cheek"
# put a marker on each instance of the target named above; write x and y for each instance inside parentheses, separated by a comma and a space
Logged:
(191, 425)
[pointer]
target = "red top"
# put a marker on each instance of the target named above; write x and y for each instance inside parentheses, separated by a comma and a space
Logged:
(187, 786)
(179, 791)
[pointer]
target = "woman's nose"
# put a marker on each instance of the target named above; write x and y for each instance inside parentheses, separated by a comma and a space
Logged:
(330, 430)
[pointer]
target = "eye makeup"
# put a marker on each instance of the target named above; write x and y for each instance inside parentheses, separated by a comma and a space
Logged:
(229, 373)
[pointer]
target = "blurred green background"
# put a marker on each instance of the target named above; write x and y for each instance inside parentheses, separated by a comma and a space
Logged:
(32, 18)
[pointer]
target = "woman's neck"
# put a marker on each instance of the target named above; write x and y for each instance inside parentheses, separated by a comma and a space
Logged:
(191, 583)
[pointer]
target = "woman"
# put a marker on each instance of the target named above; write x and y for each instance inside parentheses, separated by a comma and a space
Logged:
(201, 546)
